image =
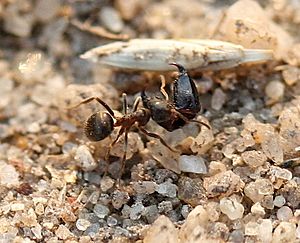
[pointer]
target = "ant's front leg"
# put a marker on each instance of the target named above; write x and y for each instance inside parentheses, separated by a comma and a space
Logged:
(90, 99)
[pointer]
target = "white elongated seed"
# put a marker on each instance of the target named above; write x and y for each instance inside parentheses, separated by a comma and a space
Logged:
(155, 54)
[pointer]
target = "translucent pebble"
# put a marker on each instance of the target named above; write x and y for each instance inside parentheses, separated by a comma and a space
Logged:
(101, 211)
(251, 228)
(192, 164)
(275, 90)
(284, 213)
(281, 173)
(236, 236)
(136, 211)
(233, 209)
(279, 201)
(284, 232)
(258, 189)
(63, 232)
(85, 159)
(167, 189)
(111, 19)
(257, 209)
(185, 210)
(8, 175)
(111, 221)
(291, 75)
(37, 231)
(82, 224)
(254, 158)
(218, 99)
(265, 230)
(17, 207)
(106, 183)
(162, 230)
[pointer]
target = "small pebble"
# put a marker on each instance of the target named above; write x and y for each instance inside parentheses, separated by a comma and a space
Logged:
(251, 228)
(274, 90)
(233, 209)
(162, 230)
(284, 232)
(63, 232)
(144, 187)
(167, 189)
(151, 213)
(165, 206)
(192, 164)
(254, 158)
(85, 159)
(257, 209)
(291, 75)
(82, 224)
(111, 221)
(284, 213)
(37, 231)
(101, 211)
(106, 183)
(111, 19)
(265, 230)
(218, 99)
(279, 201)
(17, 207)
(136, 211)
(119, 198)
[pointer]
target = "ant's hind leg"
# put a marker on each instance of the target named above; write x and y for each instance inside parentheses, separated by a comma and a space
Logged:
(154, 135)
(90, 99)
(121, 131)
(124, 157)
(187, 120)
(162, 87)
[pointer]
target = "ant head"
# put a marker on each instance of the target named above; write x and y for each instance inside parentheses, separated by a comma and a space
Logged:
(98, 126)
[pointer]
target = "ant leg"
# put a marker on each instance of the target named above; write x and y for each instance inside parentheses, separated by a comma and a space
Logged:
(121, 131)
(90, 99)
(125, 107)
(136, 103)
(124, 156)
(187, 120)
(153, 135)
(162, 87)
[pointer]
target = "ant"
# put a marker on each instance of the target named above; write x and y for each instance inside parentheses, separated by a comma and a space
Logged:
(183, 106)
(170, 114)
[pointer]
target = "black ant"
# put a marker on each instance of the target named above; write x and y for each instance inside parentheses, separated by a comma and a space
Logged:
(183, 106)
(170, 114)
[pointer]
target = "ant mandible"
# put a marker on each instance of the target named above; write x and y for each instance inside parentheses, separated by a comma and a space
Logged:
(170, 114)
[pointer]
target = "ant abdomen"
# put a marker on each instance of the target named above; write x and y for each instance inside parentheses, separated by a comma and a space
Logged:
(98, 126)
